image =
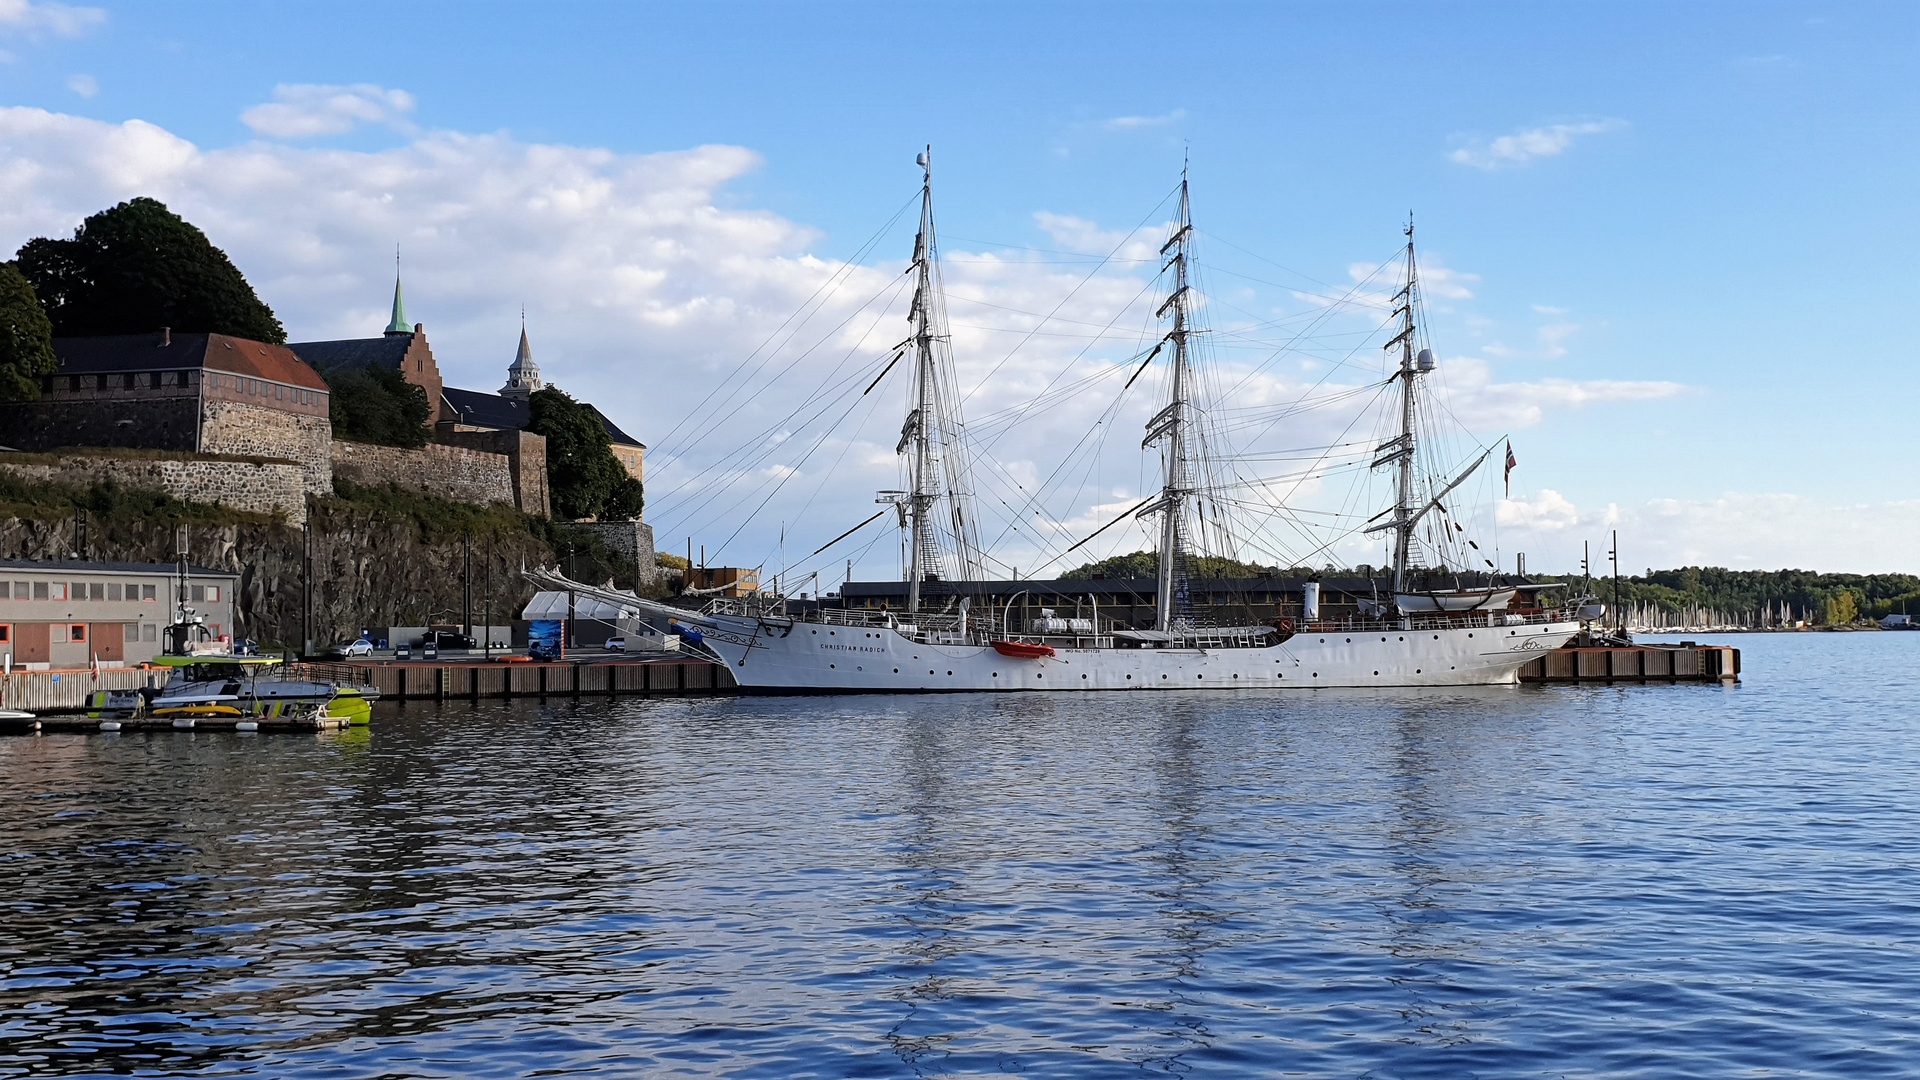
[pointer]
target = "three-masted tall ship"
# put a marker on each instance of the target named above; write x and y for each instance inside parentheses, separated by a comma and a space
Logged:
(1437, 628)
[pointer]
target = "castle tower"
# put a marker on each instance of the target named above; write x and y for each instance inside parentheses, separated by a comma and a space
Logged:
(523, 377)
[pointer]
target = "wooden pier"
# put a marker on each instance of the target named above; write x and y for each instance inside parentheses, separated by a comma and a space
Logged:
(453, 680)
(1685, 662)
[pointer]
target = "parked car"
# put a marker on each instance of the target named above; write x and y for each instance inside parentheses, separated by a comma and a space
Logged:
(616, 644)
(357, 647)
(447, 639)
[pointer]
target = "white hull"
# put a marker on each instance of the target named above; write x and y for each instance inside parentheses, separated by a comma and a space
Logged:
(815, 657)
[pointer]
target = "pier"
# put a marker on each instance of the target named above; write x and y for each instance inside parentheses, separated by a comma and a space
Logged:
(443, 680)
(1685, 662)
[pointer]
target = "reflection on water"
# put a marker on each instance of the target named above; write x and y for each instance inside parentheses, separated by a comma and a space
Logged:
(1513, 881)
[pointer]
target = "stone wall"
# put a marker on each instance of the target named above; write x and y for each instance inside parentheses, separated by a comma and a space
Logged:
(630, 540)
(230, 427)
(256, 487)
(455, 473)
(526, 456)
(162, 422)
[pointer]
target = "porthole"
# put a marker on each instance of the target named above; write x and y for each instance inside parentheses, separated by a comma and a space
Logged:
(930, 671)
(1383, 639)
(1416, 671)
(1316, 674)
(947, 673)
(1083, 676)
(1469, 633)
(1436, 637)
(1402, 638)
(830, 633)
(1163, 676)
(1376, 673)
(1236, 675)
(1129, 676)
(996, 674)
(1350, 640)
(813, 631)
(1199, 676)
(833, 665)
(896, 671)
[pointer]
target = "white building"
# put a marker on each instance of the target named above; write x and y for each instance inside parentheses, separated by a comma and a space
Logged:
(69, 614)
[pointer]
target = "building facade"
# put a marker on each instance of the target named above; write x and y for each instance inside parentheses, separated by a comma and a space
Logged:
(509, 410)
(70, 614)
(193, 393)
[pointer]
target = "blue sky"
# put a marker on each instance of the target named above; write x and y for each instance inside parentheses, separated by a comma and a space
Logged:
(1713, 196)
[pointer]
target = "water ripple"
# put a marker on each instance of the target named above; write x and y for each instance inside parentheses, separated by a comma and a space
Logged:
(1553, 881)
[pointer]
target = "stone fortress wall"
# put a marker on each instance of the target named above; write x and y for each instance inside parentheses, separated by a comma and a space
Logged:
(456, 473)
(259, 487)
(231, 427)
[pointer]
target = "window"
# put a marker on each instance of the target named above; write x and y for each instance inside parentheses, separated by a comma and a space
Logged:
(113, 590)
(128, 380)
(73, 382)
(182, 381)
(20, 590)
(130, 632)
(155, 381)
(148, 632)
(6, 633)
(40, 590)
(97, 590)
(6, 590)
(279, 393)
(79, 590)
(133, 590)
(100, 382)
(146, 594)
(198, 593)
(77, 632)
(56, 590)
(213, 594)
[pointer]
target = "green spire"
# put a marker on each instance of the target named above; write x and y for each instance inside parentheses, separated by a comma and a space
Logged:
(399, 325)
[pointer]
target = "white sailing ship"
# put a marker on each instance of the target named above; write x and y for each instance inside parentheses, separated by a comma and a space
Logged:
(1440, 628)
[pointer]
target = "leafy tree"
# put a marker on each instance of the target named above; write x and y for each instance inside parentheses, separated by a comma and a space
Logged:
(26, 338)
(138, 267)
(376, 404)
(584, 479)
(1146, 564)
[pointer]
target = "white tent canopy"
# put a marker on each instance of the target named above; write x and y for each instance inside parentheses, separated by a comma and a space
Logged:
(547, 606)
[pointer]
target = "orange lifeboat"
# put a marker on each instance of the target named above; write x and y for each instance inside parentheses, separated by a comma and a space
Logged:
(1023, 650)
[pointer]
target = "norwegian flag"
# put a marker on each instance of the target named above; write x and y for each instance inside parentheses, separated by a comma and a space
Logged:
(1511, 462)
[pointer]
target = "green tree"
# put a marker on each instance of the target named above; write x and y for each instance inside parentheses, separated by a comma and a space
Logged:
(376, 404)
(584, 479)
(138, 267)
(26, 338)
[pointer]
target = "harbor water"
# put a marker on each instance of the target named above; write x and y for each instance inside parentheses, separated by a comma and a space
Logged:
(1549, 880)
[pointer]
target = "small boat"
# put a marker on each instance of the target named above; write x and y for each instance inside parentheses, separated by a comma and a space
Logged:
(1023, 650)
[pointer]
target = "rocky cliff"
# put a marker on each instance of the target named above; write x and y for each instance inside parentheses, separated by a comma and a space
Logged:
(369, 567)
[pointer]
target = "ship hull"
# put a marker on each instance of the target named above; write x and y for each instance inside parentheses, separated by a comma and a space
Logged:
(774, 656)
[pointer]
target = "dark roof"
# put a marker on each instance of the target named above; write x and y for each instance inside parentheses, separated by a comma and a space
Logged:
(484, 410)
(506, 414)
(386, 351)
(615, 433)
(48, 566)
(156, 352)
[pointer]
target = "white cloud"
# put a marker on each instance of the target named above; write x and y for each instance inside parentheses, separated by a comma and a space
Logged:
(1522, 147)
(59, 20)
(646, 289)
(1740, 530)
(85, 85)
(1135, 123)
(304, 109)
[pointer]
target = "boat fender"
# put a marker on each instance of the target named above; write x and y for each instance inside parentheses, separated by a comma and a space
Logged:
(246, 725)
(184, 723)
(109, 725)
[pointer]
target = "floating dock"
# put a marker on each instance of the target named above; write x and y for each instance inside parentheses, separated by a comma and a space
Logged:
(83, 722)
(1685, 662)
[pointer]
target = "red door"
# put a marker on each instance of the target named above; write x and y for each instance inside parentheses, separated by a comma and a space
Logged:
(34, 643)
(109, 641)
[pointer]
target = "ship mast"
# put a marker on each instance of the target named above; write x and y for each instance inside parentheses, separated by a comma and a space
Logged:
(922, 547)
(1170, 425)
(1403, 494)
